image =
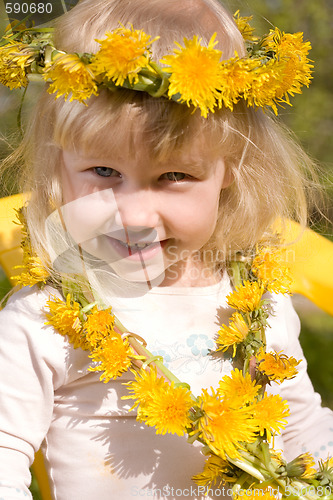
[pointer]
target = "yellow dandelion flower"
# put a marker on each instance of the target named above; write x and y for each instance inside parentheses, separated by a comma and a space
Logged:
(246, 297)
(99, 325)
(237, 389)
(277, 366)
(233, 334)
(65, 317)
(34, 272)
(287, 44)
(243, 24)
(217, 471)
(302, 466)
(224, 428)
(290, 48)
(270, 414)
(195, 74)
(161, 405)
(168, 409)
(268, 267)
(144, 386)
(235, 80)
(123, 53)
(70, 76)
(277, 458)
(266, 81)
(113, 355)
(15, 58)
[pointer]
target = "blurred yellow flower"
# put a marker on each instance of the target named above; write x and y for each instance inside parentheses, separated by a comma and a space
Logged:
(14, 60)
(243, 24)
(65, 317)
(70, 76)
(237, 389)
(217, 471)
(34, 272)
(277, 366)
(293, 51)
(232, 334)
(268, 267)
(246, 297)
(195, 74)
(122, 54)
(270, 414)
(223, 428)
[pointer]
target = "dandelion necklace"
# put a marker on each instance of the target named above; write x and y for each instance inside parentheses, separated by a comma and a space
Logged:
(234, 422)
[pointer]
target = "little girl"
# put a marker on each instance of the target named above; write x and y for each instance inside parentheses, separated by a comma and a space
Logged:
(144, 198)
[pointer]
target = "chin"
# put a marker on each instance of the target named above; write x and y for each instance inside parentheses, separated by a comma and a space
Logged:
(140, 272)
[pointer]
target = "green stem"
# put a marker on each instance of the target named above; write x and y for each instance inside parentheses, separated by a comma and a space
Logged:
(19, 114)
(246, 365)
(165, 80)
(141, 350)
(39, 30)
(246, 466)
(236, 274)
(240, 481)
(35, 77)
(267, 458)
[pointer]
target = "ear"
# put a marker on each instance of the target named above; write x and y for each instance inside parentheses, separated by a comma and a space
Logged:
(228, 178)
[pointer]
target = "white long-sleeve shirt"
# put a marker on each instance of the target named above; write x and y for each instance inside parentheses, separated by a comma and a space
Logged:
(95, 448)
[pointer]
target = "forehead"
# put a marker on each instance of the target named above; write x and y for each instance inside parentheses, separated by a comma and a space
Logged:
(127, 125)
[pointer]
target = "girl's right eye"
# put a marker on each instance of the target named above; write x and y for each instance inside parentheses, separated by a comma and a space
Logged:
(106, 172)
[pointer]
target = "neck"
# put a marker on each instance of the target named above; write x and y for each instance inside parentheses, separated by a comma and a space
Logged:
(190, 273)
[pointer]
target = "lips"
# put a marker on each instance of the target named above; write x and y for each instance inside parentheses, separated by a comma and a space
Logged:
(136, 251)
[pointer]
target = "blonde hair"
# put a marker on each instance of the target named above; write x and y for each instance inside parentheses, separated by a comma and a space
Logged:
(267, 165)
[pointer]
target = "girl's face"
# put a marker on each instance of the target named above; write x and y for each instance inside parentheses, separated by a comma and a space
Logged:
(145, 218)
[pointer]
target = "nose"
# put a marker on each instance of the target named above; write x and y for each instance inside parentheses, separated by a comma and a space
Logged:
(137, 210)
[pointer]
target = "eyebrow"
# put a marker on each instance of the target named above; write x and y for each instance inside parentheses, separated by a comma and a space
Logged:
(196, 167)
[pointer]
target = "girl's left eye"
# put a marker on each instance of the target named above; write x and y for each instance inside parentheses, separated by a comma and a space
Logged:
(174, 176)
(105, 171)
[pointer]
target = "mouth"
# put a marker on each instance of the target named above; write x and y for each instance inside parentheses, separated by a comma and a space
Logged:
(136, 251)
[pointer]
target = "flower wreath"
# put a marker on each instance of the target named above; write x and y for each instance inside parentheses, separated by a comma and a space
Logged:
(276, 67)
(235, 422)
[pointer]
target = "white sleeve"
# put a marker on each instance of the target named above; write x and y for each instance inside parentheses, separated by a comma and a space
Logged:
(310, 426)
(32, 366)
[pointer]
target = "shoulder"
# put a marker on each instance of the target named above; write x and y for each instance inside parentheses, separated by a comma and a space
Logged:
(29, 299)
(27, 307)
(24, 335)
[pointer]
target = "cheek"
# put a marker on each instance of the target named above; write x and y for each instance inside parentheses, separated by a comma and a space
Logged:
(90, 216)
(197, 217)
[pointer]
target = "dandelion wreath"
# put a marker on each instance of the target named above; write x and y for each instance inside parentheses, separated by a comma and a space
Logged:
(236, 421)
